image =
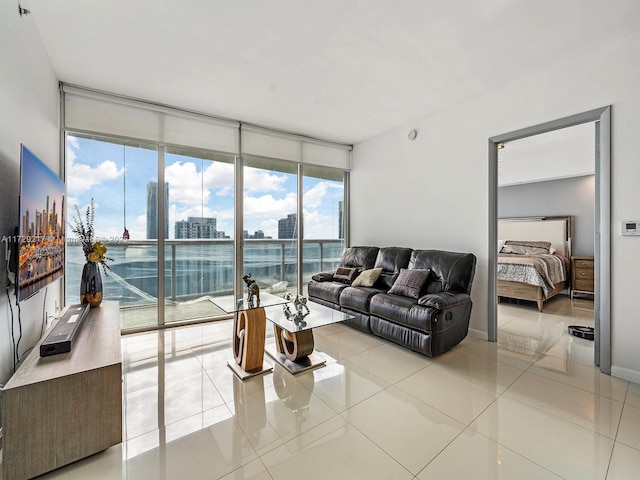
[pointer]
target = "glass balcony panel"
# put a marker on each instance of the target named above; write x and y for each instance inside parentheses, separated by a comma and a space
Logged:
(323, 203)
(116, 174)
(270, 223)
(199, 251)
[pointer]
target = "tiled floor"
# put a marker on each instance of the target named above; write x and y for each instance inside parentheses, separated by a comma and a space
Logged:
(531, 406)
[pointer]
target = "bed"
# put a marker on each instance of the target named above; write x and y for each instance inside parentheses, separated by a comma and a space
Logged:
(533, 257)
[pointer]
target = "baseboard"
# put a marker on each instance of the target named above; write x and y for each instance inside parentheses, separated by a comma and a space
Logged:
(478, 334)
(625, 374)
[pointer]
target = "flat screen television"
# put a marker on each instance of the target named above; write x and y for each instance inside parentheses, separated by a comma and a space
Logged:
(41, 228)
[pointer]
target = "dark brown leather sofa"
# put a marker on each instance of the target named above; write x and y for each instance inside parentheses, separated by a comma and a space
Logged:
(432, 323)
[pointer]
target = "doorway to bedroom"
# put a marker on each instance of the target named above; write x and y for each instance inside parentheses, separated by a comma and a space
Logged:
(547, 181)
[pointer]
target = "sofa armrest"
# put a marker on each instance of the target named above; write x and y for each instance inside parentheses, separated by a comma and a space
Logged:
(444, 300)
(323, 277)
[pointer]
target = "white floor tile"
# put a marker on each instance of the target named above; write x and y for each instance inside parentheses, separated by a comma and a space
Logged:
(334, 449)
(474, 456)
(343, 386)
(564, 448)
(389, 362)
(413, 434)
(586, 377)
(629, 432)
(479, 369)
(455, 396)
(589, 410)
(625, 463)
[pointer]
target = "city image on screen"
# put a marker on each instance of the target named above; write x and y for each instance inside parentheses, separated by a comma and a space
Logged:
(42, 226)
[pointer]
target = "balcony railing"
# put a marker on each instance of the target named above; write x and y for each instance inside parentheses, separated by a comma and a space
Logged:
(199, 268)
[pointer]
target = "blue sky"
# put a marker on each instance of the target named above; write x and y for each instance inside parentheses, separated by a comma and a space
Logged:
(197, 187)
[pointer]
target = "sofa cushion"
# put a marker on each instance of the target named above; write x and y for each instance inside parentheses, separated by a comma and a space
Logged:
(327, 291)
(391, 307)
(403, 311)
(367, 278)
(391, 260)
(357, 298)
(359, 257)
(450, 271)
(410, 282)
(346, 274)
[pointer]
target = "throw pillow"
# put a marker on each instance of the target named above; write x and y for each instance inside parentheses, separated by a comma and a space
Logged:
(524, 250)
(345, 275)
(409, 282)
(367, 278)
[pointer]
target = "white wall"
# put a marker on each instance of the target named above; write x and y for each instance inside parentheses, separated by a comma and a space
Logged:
(29, 114)
(433, 192)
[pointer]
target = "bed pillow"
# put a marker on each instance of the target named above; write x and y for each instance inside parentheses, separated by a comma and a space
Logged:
(524, 250)
(367, 278)
(530, 243)
(345, 275)
(410, 282)
(500, 245)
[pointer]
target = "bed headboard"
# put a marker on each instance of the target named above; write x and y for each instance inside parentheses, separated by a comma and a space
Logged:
(554, 229)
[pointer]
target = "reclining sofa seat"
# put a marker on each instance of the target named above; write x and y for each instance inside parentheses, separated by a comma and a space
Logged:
(431, 324)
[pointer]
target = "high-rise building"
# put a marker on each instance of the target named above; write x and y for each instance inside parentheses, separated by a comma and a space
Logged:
(288, 227)
(197, 227)
(152, 210)
(258, 234)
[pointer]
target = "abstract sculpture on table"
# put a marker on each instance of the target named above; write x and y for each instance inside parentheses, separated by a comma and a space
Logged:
(300, 305)
(253, 291)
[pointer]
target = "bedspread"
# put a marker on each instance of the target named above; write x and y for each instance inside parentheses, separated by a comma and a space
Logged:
(540, 270)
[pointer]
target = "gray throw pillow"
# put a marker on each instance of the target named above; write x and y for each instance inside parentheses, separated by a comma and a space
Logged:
(410, 282)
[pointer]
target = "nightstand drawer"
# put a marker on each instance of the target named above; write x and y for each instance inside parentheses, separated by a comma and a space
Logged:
(583, 264)
(583, 274)
(584, 285)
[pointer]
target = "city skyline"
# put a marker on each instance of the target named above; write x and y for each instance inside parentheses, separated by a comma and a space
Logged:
(116, 176)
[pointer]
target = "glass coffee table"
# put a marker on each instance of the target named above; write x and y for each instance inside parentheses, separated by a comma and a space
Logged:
(294, 343)
(249, 331)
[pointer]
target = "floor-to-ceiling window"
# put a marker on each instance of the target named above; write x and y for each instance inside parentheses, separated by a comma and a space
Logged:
(200, 214)
(117, 175)
(188, 203)
(324, 219)
(270, 223)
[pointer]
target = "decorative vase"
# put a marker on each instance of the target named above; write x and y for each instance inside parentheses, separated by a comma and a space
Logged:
(91, 285)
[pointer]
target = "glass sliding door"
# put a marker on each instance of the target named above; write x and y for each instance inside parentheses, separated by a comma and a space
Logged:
(117, 175)
(324, 220)
(199, 245)
(270, 223)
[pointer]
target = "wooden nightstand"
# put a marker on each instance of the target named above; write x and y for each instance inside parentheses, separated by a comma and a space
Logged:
(582, 275)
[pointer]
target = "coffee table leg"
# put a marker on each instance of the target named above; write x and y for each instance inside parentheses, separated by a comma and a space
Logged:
(249, 330)
(295, 346)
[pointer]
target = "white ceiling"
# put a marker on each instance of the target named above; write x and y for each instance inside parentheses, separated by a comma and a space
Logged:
(343, 70)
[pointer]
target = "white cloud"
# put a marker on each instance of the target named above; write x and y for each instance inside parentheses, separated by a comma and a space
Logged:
(185, 184)
(268, 206)
(219, 176)
(81, 177)
(190, 186)
(257, 180)
(317, 225)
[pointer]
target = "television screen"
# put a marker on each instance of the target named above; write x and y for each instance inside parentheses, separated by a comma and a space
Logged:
(42, 226)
